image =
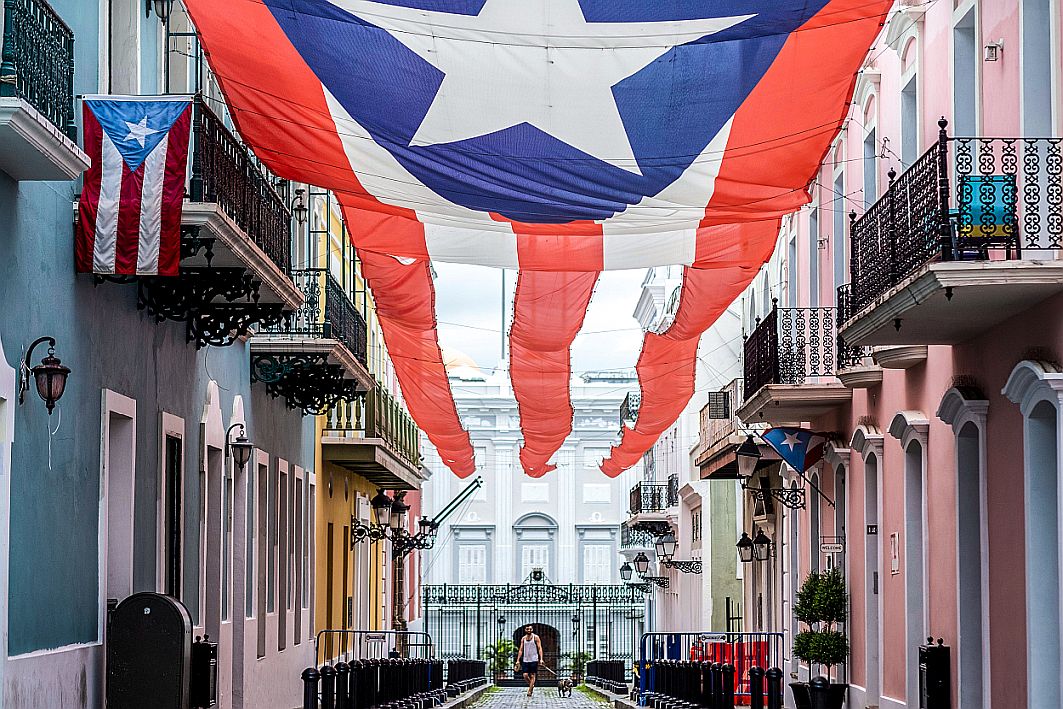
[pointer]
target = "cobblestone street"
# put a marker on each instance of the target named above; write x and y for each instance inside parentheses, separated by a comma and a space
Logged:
(542, 698)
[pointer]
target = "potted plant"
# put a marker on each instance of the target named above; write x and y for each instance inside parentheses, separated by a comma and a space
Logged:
(822, 604)
(499, 656)
(577, 664)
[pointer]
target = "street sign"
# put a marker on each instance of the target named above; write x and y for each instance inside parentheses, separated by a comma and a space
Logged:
(833, 548)
(872, 529)
(714, 637)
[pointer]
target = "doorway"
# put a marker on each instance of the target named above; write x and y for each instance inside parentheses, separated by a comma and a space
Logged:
(550, 639)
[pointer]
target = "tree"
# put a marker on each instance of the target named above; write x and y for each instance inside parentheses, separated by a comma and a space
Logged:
(499, 655)
(577, 661)
(822, 603)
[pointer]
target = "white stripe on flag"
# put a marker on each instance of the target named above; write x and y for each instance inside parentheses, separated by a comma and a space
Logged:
(471, 246)
(106, 241)
(644, 250)
(151, 211)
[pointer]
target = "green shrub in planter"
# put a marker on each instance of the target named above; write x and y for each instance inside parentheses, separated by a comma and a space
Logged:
(821, 604)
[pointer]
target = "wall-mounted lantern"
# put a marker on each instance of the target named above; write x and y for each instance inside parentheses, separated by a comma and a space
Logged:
(49, 376)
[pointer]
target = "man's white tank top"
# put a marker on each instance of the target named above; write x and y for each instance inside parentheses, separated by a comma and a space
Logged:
(531, 650)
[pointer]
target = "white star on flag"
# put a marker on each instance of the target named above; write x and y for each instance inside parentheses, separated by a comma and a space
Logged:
(791, 440)
(139, 131)
(547, 68)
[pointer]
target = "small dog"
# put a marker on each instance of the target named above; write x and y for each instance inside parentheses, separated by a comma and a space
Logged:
(564, 687)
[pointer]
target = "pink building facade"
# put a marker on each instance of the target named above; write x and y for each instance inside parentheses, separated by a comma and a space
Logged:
(919, 323)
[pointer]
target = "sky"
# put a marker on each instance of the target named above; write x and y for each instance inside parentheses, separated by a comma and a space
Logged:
(470, 311)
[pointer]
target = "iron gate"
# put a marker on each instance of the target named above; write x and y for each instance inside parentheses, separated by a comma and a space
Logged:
(602, 621)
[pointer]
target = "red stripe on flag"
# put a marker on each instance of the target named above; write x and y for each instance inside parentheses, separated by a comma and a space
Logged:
(129, 204)
(173, 193)
(405, 308)
(548, 311)
(89, 202)
(666, 365)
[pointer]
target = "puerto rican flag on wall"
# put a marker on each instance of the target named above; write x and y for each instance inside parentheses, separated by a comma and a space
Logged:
(129, 214)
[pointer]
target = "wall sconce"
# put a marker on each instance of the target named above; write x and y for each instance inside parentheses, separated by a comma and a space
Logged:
(993, 50)
(49, 376)
(299, 208)
(240, 448)
(162, 8)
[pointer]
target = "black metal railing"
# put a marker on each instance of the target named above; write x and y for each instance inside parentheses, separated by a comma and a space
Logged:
(327, 312)
(649, 497)
(673, 490)
(226, 173)
(635, 538)
(964, 199)
(37, 61)
(789, 346)
(848, 355)
(379, 415)
(629, 407)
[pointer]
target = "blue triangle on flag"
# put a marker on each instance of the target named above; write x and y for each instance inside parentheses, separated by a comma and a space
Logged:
(136, 127)
(799, 447)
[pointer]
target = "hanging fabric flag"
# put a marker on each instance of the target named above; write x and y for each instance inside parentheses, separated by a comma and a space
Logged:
(799, 447)
(549, 135)
(129, 214)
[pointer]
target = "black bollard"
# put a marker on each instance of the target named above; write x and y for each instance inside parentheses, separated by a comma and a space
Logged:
(756, 688)
(774, 677)
(343, 685)
(717, 685)
(727, 671)
(310, 679)
(819, 692)
(328, 687)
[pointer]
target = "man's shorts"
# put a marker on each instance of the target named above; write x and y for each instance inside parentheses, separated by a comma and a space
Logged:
(529, 668)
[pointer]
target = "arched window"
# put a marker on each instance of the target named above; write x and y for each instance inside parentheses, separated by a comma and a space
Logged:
(535, 541)
(1037, 388)
(867, 442)
(965, 410)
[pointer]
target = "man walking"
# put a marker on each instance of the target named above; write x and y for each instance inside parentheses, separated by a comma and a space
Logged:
(528, 656)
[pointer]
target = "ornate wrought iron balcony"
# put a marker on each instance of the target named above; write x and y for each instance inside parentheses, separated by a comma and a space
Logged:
(649, 497)
(377, 418)
(226, 173)
(629, 408)
(635, 538)
(37, 61)
(789, 346)
(966, 199)
(315, 356)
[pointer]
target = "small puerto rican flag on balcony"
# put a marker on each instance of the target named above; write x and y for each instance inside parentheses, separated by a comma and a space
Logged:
(799, 447)
(129, 214)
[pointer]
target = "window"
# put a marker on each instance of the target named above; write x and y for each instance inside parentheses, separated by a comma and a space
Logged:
(597, 493)
(472, 563)
(910, 122)
(870, 169)
(227, 547)
(1037, 61)
(695, 525)
(271, 547)
(534, 556)
(534, 492)
(173, 487)
(596, 566)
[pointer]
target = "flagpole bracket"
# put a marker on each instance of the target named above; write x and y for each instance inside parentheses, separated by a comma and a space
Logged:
(791, 498)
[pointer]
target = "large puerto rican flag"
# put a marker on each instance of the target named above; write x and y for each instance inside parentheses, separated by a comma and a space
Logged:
(560, 137)
(129, 214)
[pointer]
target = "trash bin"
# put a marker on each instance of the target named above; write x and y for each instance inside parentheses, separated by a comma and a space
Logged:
(149, 649)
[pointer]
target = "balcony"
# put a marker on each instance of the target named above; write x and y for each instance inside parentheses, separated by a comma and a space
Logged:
(720, 433)
(235, 244)
(967, 237)
(629, 408)
(38, 138)
(856, 369)
(317, 355)
(650, 505)
(790, 362)
(375, 438)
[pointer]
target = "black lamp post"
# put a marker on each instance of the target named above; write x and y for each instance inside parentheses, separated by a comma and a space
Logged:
(761, 546)
(625, 571)
(49, 376)
(162, 8)
(299, 208)
(747, 456)
(381, 505)
(642, 563)
(745, 549)
(241, 448)
(399, 510)
(666, 546)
